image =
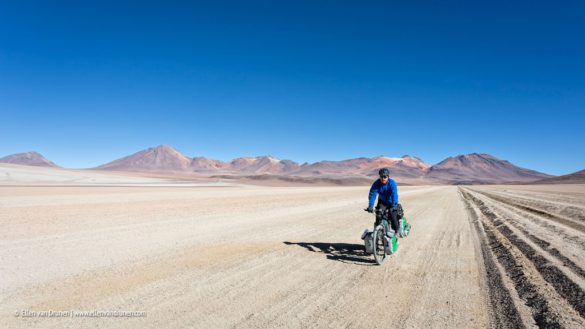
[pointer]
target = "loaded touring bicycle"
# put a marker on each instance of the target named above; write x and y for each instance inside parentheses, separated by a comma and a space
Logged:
(383, 240)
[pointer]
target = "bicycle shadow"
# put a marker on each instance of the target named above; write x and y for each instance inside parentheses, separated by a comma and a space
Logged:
(342, 252)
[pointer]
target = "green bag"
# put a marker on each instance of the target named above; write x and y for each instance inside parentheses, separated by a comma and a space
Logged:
(404, 227)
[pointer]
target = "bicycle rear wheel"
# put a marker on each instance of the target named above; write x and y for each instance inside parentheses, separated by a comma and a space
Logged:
(379, 244)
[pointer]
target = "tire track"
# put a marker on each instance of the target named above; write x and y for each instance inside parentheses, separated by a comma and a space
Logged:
(550, 226)
(504, 243)
(545, 245)
(504, 313)
(539, 212)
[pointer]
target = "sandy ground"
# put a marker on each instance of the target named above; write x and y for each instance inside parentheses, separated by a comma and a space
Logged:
(11, 174)
(19, 175)
(266, 257)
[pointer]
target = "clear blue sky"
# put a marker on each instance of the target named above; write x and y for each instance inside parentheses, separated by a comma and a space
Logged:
(86, 82)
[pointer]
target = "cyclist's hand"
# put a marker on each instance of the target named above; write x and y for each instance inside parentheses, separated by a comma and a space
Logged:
(369, 209)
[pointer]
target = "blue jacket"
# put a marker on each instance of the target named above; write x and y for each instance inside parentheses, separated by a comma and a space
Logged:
(388, 192)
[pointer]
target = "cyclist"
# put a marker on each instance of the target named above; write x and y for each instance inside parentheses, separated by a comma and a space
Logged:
(385, 189)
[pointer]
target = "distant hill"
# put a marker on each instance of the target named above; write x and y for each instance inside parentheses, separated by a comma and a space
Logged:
(204, 165)
(28, 159)
(480, 168)
(400, 167)
(574, 178)
(262, 165)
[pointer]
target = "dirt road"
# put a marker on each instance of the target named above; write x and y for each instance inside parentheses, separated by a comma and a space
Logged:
(257, 257)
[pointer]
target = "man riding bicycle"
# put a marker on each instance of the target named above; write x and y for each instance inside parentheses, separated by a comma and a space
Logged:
(385, 189)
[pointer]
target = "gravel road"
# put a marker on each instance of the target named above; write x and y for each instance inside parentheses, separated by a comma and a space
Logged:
(289, 257)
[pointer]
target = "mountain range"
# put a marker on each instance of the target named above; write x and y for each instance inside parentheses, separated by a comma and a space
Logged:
(472, 168)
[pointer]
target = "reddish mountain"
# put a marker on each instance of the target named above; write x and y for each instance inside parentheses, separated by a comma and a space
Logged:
(406, 166)
(206, 165)
(28, 159)
(332, 167)
(262, 165)
(480, 168)
(160, 158)
(574, 178)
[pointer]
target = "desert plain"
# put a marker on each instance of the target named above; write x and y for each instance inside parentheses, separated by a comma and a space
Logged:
(229, 255)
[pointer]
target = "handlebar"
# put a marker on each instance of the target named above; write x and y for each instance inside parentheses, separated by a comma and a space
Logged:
(377, 210)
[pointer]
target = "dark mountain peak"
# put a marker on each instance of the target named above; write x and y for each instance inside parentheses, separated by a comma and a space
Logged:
(468, 158)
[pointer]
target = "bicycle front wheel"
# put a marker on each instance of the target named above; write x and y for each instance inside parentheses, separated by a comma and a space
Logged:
(379, 244)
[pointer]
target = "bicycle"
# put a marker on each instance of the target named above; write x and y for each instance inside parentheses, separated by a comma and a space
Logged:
(383, 241)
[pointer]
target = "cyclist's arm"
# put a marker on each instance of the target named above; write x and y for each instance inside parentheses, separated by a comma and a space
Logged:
(394, 193)
(373, 194)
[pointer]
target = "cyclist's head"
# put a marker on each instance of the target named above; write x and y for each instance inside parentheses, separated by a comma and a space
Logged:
(384, 174)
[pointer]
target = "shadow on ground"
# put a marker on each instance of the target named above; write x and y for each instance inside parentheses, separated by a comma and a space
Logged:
(341, 252)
